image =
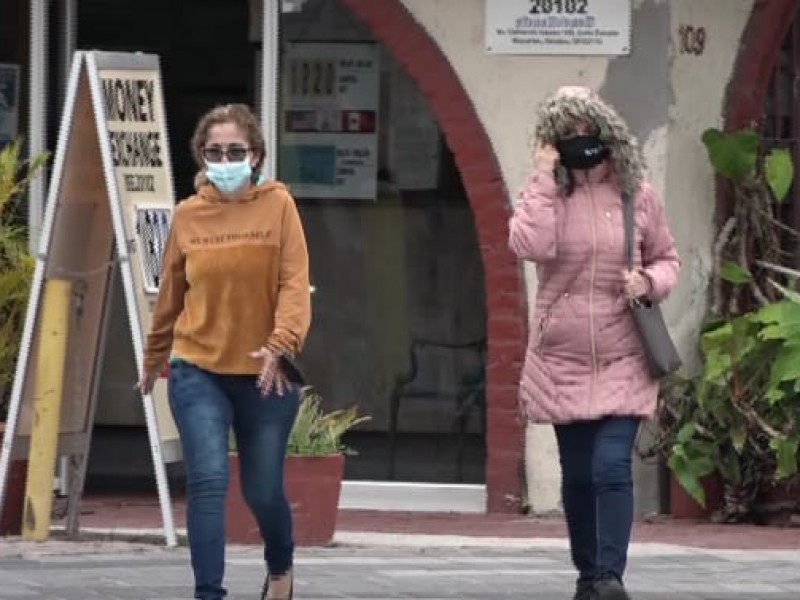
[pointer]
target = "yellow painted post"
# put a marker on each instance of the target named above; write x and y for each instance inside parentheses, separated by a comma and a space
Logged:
(48, 392)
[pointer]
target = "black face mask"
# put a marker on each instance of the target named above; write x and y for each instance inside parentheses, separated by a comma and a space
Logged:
(582, 152)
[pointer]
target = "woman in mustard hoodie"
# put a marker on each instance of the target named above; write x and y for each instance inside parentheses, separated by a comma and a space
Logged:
(233, 300)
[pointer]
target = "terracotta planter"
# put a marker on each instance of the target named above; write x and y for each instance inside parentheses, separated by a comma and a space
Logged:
(313, 485)
(683, 506)
(778, 502)
(11, 515)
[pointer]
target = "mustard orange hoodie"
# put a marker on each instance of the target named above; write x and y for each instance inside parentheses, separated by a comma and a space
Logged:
(234, 278)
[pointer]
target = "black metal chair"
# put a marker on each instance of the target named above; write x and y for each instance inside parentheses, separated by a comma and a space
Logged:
(442, 372)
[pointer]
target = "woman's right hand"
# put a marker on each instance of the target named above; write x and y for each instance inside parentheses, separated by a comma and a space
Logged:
(146, 382)
(271, 376)
(545, 156)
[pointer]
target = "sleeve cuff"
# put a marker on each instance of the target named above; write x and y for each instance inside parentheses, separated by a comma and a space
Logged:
(651, 288)
(154, 365)
(280, 344)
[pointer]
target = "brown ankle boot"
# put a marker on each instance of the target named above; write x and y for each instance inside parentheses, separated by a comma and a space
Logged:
(265, 595)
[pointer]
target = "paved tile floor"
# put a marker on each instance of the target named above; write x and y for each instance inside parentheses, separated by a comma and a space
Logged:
(424, 570)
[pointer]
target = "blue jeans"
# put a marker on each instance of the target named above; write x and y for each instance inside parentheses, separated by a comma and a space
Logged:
(597, 491)
(205, 406)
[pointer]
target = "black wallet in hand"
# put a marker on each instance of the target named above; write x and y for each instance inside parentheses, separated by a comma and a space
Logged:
(291, 370)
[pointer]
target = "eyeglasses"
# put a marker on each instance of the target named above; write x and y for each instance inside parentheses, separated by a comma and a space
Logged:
(234, 153)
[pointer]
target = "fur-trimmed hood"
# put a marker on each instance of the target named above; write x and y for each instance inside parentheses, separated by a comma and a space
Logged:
(557, 117)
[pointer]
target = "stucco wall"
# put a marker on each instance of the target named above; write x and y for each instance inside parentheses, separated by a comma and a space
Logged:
(700, 82)
(668, 98)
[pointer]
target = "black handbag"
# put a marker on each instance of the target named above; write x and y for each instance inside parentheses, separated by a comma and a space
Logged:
(659, 349)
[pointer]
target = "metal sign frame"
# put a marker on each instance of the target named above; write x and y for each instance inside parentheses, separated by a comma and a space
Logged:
(94, 62)
(89, 65)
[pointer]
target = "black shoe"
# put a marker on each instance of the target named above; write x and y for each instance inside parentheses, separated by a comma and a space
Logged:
(584, 590)
(265, 588)
(610, 589)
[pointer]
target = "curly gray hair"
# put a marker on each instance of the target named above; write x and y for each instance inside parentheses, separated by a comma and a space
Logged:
(562, 113)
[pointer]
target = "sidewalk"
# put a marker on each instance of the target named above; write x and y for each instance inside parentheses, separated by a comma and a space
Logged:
(112, 571)
(122, 516)
(392, 555)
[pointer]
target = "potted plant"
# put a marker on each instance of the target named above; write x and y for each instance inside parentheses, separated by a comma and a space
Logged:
(735, 421)
(313, 474)
(16, 273)
(690, 444)
(734, 425)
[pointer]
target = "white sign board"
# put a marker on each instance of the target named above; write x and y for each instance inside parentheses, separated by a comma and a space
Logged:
(136, 129)
(329, 141)
(132, 127)
(9, 102)
(578, 27)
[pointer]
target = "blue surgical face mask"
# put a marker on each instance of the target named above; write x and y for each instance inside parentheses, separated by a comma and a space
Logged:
(229, 177)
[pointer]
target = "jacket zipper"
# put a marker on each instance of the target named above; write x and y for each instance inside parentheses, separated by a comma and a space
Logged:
(592, 276)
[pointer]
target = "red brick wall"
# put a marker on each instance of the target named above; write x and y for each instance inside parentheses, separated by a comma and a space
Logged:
(411, 45)
(758, 54)
(760, 47)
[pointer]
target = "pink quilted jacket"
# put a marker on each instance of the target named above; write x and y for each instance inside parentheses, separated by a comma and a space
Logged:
(584, 359)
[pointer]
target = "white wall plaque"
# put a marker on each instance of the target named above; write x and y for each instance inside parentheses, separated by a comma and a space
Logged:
(577, 27)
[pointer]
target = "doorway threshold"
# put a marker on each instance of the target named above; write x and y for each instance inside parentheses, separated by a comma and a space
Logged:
(413, 496)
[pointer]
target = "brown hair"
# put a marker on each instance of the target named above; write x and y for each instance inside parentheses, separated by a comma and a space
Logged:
(238, 114)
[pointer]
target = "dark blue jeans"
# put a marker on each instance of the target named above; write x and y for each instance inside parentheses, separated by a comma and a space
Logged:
(597, 490)
(205, 406)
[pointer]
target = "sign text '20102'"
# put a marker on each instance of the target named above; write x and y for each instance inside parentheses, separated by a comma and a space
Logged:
(570, 7)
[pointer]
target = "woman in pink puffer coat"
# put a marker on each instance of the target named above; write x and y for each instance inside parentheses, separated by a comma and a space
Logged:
(585, 370)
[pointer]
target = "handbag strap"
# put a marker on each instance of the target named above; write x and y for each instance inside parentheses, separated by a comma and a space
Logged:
(627, 211)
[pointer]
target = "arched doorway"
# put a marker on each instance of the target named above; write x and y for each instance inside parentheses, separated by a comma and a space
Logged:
(194, 85)
(763, 92)
(758, 54)
(392, 24)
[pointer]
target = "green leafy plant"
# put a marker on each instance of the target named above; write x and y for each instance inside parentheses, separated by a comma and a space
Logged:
(737, 418)
(316, 432)
(16, 264)
(748, 394)
(752, 233)
(688, 441)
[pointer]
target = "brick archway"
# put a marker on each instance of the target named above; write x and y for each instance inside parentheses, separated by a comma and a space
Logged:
(409, 43)
(759, 50)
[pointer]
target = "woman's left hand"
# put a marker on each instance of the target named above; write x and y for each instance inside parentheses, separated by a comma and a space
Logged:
(635, 284)
(271, 375)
